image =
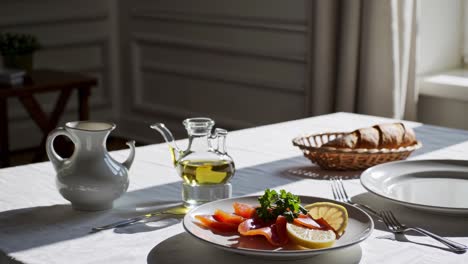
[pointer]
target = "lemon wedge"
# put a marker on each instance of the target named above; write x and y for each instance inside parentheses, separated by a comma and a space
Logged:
(334, 214)
(310, 238)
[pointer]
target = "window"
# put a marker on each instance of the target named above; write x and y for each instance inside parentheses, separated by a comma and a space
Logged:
(442, 66)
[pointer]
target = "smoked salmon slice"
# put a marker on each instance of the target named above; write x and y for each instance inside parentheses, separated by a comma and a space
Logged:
(210, 222)
(307, 221)
(244, 210)
(275, 232)
(225, 217)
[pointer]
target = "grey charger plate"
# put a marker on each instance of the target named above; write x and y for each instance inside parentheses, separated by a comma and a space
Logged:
(360, 226)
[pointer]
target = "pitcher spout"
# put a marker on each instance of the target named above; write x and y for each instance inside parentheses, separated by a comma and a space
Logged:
(169, 138)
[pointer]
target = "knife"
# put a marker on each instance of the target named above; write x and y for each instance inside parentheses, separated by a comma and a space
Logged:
(171, 211)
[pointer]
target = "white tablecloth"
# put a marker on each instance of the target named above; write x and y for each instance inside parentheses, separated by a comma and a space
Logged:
(38, 226)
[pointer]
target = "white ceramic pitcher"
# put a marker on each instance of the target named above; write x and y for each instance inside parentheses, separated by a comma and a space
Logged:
(90, 179)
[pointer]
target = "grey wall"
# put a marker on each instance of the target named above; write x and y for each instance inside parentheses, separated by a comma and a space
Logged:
(76, 36)
(240, 62)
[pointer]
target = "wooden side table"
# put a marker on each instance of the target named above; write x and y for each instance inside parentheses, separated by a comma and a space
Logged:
(43, 81)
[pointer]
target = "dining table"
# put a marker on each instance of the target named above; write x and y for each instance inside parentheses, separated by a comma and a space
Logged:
(37, 225)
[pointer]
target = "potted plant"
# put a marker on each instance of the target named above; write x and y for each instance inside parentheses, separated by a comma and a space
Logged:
(17, 50)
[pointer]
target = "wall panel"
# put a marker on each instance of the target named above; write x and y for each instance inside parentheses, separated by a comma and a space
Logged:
(267, 10)
(240, 62)
(223, 100)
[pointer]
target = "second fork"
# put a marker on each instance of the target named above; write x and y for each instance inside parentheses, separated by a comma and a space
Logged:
(396, 227)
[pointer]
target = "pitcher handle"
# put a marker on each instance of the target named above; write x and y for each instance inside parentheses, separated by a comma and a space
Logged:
(55, 158)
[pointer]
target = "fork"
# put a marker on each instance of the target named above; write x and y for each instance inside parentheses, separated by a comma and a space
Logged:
(396, 227)
(339, 194)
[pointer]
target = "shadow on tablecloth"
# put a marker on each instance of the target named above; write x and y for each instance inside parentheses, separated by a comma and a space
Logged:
(5, 259)
(183, 248)
(443, 225)
(316, 173)
(435, 138)
(32, 227)
(26, 228)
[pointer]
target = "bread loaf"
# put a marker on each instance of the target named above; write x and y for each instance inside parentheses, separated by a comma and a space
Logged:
(390, 136)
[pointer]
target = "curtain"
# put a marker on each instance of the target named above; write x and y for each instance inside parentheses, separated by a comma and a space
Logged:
(362, 57)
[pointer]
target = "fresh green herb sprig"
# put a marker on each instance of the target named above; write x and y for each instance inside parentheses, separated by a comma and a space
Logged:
(273, 204)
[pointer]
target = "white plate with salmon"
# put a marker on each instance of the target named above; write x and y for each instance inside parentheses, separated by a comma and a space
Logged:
(273, 227)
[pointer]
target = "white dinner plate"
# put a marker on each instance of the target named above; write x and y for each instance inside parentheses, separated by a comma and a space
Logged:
(359, 227)
(439, 186)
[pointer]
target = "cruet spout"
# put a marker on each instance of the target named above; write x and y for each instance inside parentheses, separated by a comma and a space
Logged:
(169, 138)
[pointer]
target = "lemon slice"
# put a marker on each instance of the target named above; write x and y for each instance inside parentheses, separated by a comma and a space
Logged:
(310, 238)
(334, 214)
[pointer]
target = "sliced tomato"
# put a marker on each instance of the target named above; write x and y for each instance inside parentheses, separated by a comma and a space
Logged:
(210, 222)
(225, 217)
(275, 232)
(244, 210)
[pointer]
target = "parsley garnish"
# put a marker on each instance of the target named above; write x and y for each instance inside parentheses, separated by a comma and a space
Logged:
(273, 204)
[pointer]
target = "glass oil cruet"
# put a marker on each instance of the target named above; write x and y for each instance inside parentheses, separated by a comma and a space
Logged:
(205, 167)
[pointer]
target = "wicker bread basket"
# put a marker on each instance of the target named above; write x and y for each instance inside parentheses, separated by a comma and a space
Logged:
(345, 158)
